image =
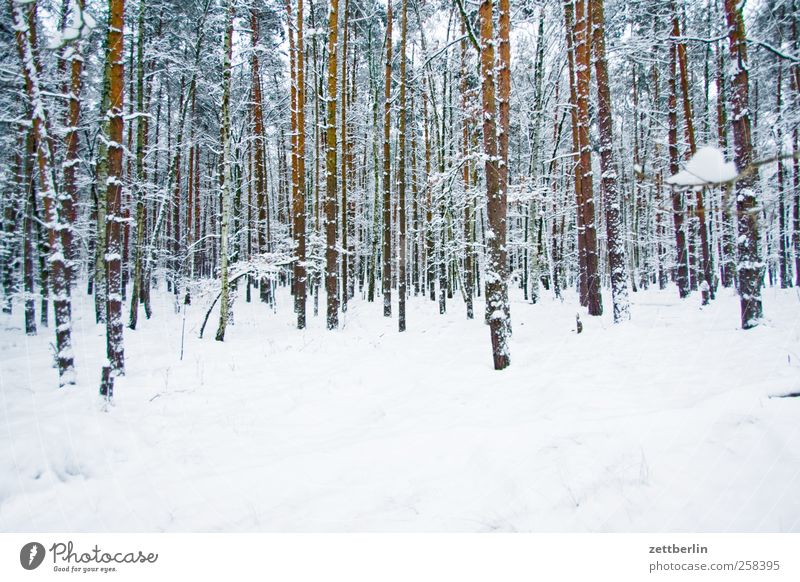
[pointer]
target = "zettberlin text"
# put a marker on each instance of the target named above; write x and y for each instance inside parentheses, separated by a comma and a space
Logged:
(673, 549)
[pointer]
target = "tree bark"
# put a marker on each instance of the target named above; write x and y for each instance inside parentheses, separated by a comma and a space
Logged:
(386, 250)
(495, 276)
(331, 251)
(401, 177)
(24, 18)
(226, 178)
(611, 203)
(750, 265)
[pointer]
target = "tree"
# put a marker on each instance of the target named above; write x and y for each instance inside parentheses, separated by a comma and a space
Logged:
(114, 218)
(386, 249)
(615, 240)
(750, 265)
(331, 252)
(24, 18)
(226, 178)
(495, 277)
(299, 202)
(401, 176)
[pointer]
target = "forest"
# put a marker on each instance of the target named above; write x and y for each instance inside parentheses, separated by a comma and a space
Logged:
(182, 181)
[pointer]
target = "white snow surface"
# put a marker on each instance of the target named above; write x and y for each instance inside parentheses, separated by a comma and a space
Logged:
(663, 423)
(706, 166)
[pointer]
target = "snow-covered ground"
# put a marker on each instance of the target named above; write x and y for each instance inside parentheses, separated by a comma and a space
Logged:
(661, 424)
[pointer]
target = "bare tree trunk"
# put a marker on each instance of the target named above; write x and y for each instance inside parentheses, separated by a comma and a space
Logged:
(495, 196)
(682, 271)
(688, 118)
(465, 173)
(386, 252)
(345, 155)
(331, 252)
(299, 203)
(569, 27)
(69, 199)
(114, 218)
(401, 177)
(28, 186)
(783, 247)
(611, 203)
(727, 258)
(224, 306)
(583, 80)
(141, 136)
(24, 18)
(750, 266)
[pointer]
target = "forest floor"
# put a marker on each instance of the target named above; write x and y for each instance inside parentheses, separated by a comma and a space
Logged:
(665, 423)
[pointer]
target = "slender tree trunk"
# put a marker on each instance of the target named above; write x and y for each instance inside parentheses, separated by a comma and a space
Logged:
(24, 18)
(69, 198)
(401, 177)
(465, 174)
(141, 133)
(682, 270)
(386, 253)
(28, 186)
(331, 252)
(750, 266)
(226, 178)
(727, 258)
(495, 196)
(299, 203)
(569, 27)
(783, 235)
(114, 218)
(688, 118)
(583, 80)
(345, 155)
(614, 235)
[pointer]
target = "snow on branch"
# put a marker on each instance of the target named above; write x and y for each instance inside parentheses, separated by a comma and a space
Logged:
(263, 266)
(707, 166)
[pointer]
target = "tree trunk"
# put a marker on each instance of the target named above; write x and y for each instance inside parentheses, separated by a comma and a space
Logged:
(495, 275)
(114, 218)
(386, 251)
(682, 271)
(750, 265)
(401, 177)
(299, 203)
(611, 203)
(141, 136)
(583, 80)
(69, 199)
(331, 252)
(224, 306)
(24, 18)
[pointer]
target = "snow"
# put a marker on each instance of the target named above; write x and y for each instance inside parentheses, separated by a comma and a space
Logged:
(707, 166)
(663, 424)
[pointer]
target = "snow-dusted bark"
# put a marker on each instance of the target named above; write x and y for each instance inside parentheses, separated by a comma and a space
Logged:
(689, 132)
(678, 203)
(386, 246)
(299, 202)
(615, 238)
(750, 264)
(224, 305)
(401, 176)
(331, 184)
(496, 270)
(141, 137)
(114, 217)
(24, 18)
(73, 55)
